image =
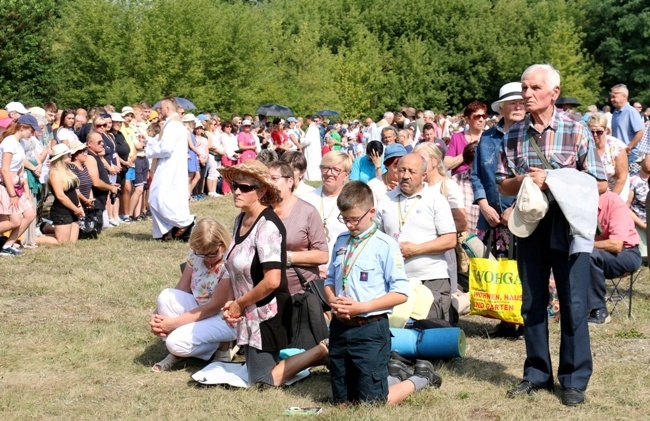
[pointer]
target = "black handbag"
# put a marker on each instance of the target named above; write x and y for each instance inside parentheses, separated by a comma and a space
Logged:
(316, 287)
(91, 225)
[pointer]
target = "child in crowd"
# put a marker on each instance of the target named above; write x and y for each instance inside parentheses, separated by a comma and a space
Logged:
(365, 280)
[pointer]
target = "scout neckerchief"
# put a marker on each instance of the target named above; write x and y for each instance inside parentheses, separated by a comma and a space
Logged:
(325, 218)
(351, 246)
(403, 215)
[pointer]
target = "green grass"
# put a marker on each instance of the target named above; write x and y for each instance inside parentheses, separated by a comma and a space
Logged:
(75, 344)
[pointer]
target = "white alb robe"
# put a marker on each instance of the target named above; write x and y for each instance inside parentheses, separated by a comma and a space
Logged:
(312, 151)
(169, 193)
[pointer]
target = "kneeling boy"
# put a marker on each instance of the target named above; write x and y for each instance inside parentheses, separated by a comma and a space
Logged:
(365, 280)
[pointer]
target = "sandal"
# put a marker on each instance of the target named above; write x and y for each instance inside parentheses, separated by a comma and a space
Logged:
(166, 363)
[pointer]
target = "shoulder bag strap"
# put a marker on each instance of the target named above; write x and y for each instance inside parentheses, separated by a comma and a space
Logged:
(539, 153)
(301, 278)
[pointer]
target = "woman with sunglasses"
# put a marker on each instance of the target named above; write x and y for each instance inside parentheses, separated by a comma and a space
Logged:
(65, 133)
(256, 262)
(189, 317)
(476, 115)
(66, 209)
(612, 154)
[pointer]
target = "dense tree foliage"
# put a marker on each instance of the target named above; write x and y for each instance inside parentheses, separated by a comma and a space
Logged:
(360, 57)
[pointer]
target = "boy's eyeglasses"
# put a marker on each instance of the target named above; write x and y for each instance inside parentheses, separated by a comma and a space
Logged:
(352, 221)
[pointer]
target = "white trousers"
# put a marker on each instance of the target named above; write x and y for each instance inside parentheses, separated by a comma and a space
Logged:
(199, 339)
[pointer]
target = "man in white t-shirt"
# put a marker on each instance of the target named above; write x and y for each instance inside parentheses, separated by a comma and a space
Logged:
(420, 219)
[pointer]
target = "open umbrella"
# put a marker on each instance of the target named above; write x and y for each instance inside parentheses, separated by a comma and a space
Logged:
(183, 102)
(275, 110)
(328, 113)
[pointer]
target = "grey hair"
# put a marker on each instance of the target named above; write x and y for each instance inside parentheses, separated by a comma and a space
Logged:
(424, 165)
(389, 114)
(622, 87)
(429, 114)
(389, 129)
(552, 75)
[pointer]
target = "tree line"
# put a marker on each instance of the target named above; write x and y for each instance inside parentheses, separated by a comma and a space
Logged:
(360, 57)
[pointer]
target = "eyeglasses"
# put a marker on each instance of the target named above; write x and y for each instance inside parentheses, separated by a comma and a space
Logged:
(101, 125)
(597, 132)
(278, 177)
(334, 171)
(207, 256)
(244, 188)
(479, 116)
(352, 221)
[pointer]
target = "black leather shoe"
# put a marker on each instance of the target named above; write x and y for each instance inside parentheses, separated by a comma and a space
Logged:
(399, 369)
(524, 388)
(572, 396)
(424, 368)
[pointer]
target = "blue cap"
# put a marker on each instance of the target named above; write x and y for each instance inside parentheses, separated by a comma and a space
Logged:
(292, 120)
(393, 150)
(30, 120)
(202, 117)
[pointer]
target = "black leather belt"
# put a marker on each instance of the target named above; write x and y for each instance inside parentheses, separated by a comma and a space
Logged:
(360, 321)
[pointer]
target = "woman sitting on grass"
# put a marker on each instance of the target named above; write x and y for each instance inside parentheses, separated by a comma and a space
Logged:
(189, 316)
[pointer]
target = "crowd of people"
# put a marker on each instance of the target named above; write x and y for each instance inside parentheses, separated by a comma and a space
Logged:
(412, 186)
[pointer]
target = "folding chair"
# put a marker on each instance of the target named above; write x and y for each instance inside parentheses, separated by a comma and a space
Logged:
(621, 291)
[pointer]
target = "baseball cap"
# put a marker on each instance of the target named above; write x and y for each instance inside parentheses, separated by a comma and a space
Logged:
(531, 207)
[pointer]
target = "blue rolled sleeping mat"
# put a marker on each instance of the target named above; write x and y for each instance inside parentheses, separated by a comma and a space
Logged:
(446, 342)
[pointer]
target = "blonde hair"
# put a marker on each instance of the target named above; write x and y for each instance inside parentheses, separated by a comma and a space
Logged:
(337, 158)
(597, 120)
(208, 235)
(432, 151)
(68, 179)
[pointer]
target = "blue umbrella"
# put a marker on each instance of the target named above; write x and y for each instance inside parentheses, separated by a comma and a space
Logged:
(183, 102)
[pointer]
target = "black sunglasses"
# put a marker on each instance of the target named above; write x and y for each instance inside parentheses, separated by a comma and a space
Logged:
(244, 188)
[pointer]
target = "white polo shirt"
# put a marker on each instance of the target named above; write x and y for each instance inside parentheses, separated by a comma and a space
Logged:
(418, 219)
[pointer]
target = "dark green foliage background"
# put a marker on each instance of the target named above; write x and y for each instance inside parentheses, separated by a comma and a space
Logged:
(360, 57)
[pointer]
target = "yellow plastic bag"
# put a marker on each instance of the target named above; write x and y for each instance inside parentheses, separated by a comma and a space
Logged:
(495, 289)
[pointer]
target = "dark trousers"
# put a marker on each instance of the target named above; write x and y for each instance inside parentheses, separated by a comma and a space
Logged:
(606, 265)
(546, 249)
(359, 361)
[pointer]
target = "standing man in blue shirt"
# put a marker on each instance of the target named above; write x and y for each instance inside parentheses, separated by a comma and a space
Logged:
(627, 124)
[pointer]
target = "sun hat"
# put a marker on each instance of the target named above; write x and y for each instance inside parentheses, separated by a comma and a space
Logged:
(246, 122)
(508, 92)
(30, 120)
(16, 107)
(394, 150)
(58, 151)
(530, 208)
(76, 146)
(189, 118)
(257, 170)
(127, 110)
(117, 117)
(153, 114)
(37, 111)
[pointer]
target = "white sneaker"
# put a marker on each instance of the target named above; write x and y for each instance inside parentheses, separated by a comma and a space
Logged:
(214, 194)
(115, 222)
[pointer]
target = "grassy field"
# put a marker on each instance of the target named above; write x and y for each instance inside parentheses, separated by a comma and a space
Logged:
(75, 344)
